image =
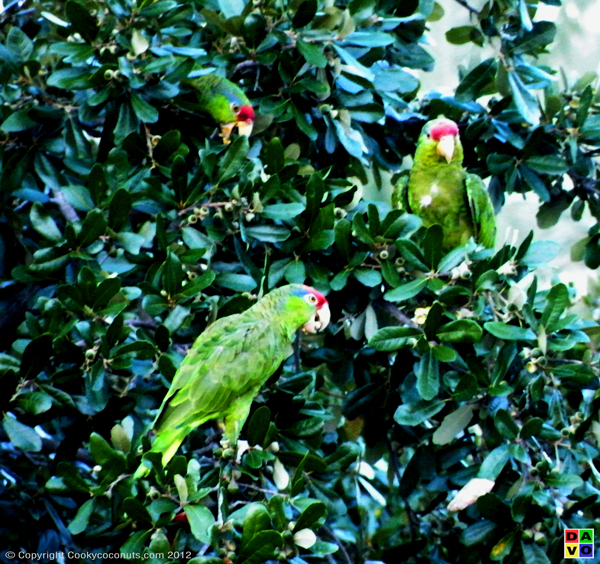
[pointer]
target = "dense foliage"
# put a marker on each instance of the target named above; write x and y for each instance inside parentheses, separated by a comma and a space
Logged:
(126, 227)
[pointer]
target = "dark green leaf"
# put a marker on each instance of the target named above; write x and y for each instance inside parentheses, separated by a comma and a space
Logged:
(547, 164)
(392, 338)
(313, 53)
(453, 424)
(201, 521)
(82, 518)
(145, 112)
(531, 428)
(82, 21)
(557, 301)
(258, 426)
(460, 331)
(94, 225)
(525, 102)
(261, 548)
(305, 14)
(479, 532)
(233, 159)
(119, 209)
(428, 376)
(273, 156)
(136, 511)
(311, 515)
(21, 436)
(509, 332)
(472, 86)
(406, 291)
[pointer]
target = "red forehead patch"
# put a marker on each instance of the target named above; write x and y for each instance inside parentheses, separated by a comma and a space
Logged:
(442, 129)
(246, 113)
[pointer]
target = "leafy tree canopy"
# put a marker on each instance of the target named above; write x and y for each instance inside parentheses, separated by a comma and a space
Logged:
(127, 226)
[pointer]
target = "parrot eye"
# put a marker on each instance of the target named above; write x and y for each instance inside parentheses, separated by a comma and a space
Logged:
(311, 299)
(235, 108)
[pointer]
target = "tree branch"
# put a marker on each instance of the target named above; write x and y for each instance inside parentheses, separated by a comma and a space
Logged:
(397, 314)
(587, 184)
(466, 5)
(412, 519)
(65, 208)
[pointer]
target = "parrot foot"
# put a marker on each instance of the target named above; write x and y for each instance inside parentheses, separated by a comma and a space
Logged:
(242, 447)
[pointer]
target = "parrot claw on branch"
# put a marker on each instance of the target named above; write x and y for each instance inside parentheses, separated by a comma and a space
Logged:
(440, 191)
(229, 362)
(243, 447)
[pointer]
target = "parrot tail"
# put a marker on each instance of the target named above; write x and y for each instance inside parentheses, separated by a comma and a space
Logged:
(167, 444)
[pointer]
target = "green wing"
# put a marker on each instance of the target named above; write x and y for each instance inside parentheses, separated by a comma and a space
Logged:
(482, 211)
(213, 375)
(222, 372)
(400, 194)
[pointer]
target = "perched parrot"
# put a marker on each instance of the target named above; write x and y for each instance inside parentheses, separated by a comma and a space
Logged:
(439, 190)
(225, 102)
(230, 361)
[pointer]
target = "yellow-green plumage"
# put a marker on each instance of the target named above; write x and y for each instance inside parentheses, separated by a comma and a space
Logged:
(439, 190)
(226, 103)
(229, 362)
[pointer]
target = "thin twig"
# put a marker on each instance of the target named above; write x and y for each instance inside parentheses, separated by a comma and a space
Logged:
(65, 208)
(343, 550)
(466, 5)
(263, 490)
(412, 521)
(588, 184)
(395, 312)
(297, 351)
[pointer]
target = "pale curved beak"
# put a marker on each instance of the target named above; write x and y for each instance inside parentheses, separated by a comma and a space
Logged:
(445, 147)
(245, 127)
(319, 321)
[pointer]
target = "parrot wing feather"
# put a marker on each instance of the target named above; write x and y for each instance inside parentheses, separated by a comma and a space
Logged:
(400, 194)
(482, 211)
(212, 377)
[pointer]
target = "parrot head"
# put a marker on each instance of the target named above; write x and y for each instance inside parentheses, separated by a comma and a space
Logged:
(440, 137)
(320, 318)
(301, 306)
(244, 119)
(226, 102)
(232, 109)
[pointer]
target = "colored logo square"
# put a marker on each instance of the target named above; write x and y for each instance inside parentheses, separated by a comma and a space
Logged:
(571, 550)
(571, 535)
(586, 536)
(586, 551)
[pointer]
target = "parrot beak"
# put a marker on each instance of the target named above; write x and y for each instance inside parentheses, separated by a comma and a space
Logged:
(245, 127)
(245, 120)
(445, 147)
(319, 320)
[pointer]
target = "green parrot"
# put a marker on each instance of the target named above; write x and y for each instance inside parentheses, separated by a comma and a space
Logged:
(225, 102)
(439, 190)
(230, 361)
